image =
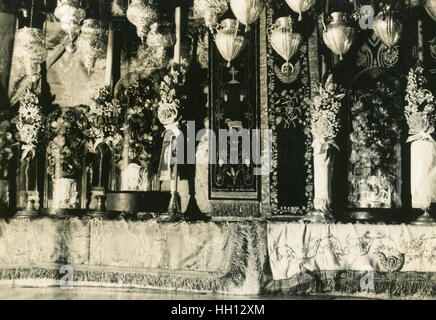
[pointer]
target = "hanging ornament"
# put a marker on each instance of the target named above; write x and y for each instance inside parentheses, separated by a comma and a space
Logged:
(210, 10)
(338, 36)
(285, 42)
(247, 11)
(70, 16)
(228, 42)
(300, 6)
(30, 50)
(142, 13)
(388, 28)
(91, 43)
(160, 36)
(430, 7)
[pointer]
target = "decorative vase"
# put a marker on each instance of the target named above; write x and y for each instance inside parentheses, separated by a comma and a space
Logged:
(228, 42)
(323, 161)
(284, 41)
(338, 36)
(421, 158)
(64, 193)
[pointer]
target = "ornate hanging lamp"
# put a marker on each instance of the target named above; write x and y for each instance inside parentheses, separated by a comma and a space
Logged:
(284, 41)
(142, 13)
(300, 6)
(430, 7)
(92, 42)
(70, 16)
(247, 11)
(210, 10)
(388, 28)
(30, 50)
(228, 42)
(338, 36)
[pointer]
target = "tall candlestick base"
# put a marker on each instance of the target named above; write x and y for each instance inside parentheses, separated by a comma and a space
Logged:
(317, 216)
(424, 220)
(29, 211)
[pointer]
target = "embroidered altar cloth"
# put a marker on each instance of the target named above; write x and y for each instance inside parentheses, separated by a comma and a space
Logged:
(297, 247)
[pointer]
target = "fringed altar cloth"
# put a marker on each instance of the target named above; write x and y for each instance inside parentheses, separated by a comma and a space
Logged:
(396, 259)
(189, 256)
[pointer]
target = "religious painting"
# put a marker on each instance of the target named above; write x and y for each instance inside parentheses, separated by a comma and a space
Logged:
(234, 101)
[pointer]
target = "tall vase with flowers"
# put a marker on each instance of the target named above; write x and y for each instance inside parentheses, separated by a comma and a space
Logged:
(104, 138)
(325, 124)
(420, 115)
(29, 125)
(134, 158)
(65, 137)
(172, 99)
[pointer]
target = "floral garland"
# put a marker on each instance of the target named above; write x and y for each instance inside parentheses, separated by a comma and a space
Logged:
(420, 108)
(65, 137)
(104, 120)
(29, 124)
(324, 111)
(7, 142)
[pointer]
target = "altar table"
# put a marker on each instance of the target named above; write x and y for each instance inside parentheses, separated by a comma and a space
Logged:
(211, 257)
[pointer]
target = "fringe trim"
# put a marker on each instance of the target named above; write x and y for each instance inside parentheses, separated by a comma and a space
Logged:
(393, 284)
(234, 276)
(234, 208)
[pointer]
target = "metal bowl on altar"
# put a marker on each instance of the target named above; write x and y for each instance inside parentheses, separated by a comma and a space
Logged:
(138, 201)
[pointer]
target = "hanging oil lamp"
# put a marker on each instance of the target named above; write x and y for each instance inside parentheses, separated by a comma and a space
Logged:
(70, 16)
(142, 14)
(92, 42)
(30, 50)
(300, 6)
(247, 11)
(430, 7)
(388, 28)
(284, 41)
(210, 10)
(227, 40)
(338, 36)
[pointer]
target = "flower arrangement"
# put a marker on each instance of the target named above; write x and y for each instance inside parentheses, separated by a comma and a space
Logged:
(172, 95)
(420, 108)
(140, 104)
(29, 124)
(324, 112)
(375, 146)
(7, 143)
(65, 136)
(104, 120)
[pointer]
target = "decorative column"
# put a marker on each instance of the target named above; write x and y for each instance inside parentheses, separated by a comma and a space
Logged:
(325, 124)
(420, 116)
